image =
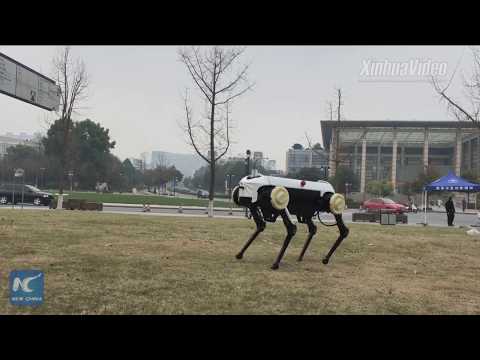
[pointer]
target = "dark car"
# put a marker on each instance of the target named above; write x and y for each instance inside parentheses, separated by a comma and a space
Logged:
(31, 195)
(202, 194)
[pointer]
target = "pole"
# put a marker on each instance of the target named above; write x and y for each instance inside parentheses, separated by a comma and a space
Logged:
(425, 207)
(23, 187)
(13, 193)
(230, 192)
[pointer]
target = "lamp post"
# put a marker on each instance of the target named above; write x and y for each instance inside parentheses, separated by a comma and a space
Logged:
(18, 173)
(70, 175)
(247, 163)
(347, 190)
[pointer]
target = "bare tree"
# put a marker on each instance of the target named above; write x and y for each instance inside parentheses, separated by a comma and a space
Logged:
(72, 78)
(220, 79)
(464, 112)
(338, 159)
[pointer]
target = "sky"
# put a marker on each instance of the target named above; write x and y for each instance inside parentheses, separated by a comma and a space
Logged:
(136, 92)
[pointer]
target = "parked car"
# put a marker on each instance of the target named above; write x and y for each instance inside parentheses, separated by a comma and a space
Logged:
(202, 194)
(31, 195)
(385, 205)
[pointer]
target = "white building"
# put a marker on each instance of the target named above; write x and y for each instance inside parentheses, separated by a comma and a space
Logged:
(297, 159)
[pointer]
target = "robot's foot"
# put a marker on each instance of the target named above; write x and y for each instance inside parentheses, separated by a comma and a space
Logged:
(325, 261)
(239, 256)
(275, 266)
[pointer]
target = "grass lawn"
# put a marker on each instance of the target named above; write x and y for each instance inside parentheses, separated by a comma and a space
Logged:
(142, 199)
(99, 263)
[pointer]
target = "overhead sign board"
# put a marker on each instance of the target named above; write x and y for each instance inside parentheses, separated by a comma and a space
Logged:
(23, 83)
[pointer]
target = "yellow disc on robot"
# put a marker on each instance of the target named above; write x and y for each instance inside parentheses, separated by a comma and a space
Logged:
(279, 198)
(337, 203)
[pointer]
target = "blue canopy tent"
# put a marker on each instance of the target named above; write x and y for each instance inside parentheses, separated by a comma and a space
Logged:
(449, 182)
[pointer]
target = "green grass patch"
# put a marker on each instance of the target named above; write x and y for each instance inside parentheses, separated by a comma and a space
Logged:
(100, 263)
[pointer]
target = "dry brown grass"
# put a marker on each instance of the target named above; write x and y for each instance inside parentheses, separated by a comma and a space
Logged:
(98, 263)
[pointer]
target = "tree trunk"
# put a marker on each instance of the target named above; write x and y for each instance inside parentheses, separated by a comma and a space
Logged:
(63, 162)
(212, 151)
(60, 187)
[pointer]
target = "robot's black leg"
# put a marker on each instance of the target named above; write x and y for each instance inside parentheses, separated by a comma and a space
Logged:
(291, 230)
(257, 217)
(343, 234)
(312, 230)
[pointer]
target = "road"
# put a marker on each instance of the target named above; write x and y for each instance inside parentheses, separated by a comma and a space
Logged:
(433, 218)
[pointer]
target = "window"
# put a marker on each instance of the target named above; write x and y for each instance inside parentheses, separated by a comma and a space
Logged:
(388, 201)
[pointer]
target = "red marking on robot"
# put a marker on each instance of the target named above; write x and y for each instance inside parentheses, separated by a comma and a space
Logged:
(302, 183)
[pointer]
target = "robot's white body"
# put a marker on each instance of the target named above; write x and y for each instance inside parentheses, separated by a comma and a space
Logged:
(268, 197)
(249, 186)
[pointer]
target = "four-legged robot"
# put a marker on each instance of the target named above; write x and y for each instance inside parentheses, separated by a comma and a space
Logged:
(270, 197)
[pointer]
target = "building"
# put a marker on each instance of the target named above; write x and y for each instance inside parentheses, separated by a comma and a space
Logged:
(186, 163)
(10, 139)
(270, 165)
(257, 155)
(297, 159)
(398, 151)
(239, 157)
(138, 164)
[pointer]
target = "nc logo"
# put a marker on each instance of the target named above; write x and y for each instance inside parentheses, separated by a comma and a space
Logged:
(17, 282)
(26, 287)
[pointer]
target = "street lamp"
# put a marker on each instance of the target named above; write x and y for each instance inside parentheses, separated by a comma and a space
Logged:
(70, 175)
(348, 188)
(18, 173)
(247, 163)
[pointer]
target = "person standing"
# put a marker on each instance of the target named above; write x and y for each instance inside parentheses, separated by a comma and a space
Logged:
(450, 208)
(464, 204)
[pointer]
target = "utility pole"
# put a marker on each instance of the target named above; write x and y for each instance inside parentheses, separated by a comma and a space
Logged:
(70, 175)
(337, 133)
